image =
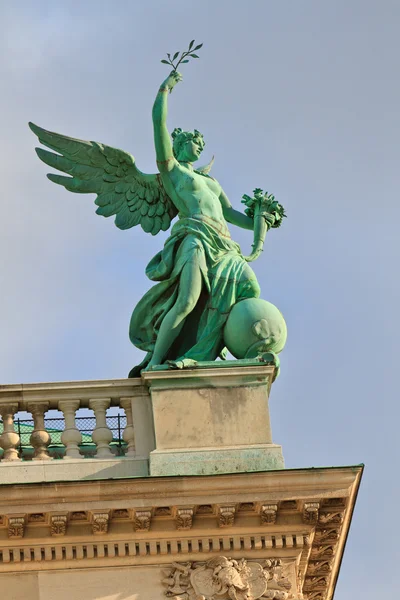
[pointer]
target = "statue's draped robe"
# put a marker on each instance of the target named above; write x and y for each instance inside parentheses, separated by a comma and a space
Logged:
(226, 279)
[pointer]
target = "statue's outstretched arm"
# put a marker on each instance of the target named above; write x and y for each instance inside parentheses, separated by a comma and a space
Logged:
(162, 139)
(234, 216)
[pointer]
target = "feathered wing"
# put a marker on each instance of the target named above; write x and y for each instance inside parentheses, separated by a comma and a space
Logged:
(122, 190)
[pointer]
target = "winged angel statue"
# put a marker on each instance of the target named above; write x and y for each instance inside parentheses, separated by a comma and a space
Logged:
(200, 273)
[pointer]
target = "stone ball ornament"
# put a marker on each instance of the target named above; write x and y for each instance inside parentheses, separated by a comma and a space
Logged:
(254, 327)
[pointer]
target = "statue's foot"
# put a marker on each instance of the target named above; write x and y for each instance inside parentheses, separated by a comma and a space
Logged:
(184, 363)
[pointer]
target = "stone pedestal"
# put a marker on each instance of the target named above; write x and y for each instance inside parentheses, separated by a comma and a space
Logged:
(212, 419)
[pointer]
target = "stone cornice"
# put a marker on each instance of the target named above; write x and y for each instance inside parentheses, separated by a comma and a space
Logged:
(165, 520)
(302, 484)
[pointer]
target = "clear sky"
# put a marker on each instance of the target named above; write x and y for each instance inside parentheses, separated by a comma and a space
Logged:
(300, 98)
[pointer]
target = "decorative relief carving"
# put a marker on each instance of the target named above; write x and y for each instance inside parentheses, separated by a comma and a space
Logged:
(100, 522)
(315, 584)
(316, 596)
(142, 520)
(36, 518)
(319, 567)
(58, 525)
(268, 514)
(311, 512)
(326, 535)
(319, 552)
(225, 578)
(204, 509)
(121, 513)
(331, 518)
(163, 511)
(78, 516)
(16, 527)
(184, 518)
(226, 516)
(246, 506)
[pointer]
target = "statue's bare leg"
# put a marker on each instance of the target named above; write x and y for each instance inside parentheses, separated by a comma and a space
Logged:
(189, 292)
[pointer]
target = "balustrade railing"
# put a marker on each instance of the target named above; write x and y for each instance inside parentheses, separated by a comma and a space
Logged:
(68, 420)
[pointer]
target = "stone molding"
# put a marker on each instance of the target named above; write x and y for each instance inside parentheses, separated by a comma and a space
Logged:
(83, 524)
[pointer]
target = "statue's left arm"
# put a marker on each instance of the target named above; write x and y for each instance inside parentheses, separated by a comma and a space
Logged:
(234, 216)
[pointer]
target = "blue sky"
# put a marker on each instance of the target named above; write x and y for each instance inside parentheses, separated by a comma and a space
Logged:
(299, 98)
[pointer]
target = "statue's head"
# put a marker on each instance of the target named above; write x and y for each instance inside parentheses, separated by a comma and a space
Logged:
(187, 145)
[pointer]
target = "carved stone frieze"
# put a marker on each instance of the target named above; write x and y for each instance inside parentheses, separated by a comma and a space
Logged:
(184, 518)
(58, 525)
(226, 516)
(142, 520)
(100, 521)
(16, 527)
(268, 514)
(226, 578)
(311, 512)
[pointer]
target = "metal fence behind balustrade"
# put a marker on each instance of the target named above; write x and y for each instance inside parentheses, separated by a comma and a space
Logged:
(55, 426)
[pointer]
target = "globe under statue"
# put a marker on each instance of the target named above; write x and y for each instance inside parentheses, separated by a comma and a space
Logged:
(205, 297)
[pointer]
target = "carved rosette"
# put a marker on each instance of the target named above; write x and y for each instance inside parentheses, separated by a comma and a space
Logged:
(58, 525)
(221, 577)
(268, 514)
(142, 520)
(184, 518)
(226, 516)
(16, 527)
(311, 512)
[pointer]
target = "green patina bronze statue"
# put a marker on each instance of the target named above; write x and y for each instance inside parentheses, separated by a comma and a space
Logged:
(201, 273)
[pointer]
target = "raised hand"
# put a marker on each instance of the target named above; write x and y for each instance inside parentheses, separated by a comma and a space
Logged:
(168, 84)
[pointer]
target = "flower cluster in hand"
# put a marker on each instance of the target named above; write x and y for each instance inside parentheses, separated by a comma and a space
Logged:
(184, 56)
(268, 205)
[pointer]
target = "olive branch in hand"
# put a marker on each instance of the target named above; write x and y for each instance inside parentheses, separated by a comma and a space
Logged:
(183, 59)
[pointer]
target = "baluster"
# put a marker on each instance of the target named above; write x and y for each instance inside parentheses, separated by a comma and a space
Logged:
(9, 439)
(102, 435)
(40, 438)
(71, 437)
(129, 433)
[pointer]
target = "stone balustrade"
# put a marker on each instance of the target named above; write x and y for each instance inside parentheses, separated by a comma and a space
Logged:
(131, 396)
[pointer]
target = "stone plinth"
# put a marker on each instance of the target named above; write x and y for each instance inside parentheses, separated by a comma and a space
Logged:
(212, 419)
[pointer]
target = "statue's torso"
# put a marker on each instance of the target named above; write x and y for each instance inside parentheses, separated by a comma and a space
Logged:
(196, 196)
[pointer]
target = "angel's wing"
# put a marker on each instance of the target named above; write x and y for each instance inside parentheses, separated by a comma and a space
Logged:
(122, 190)
(206, 168)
